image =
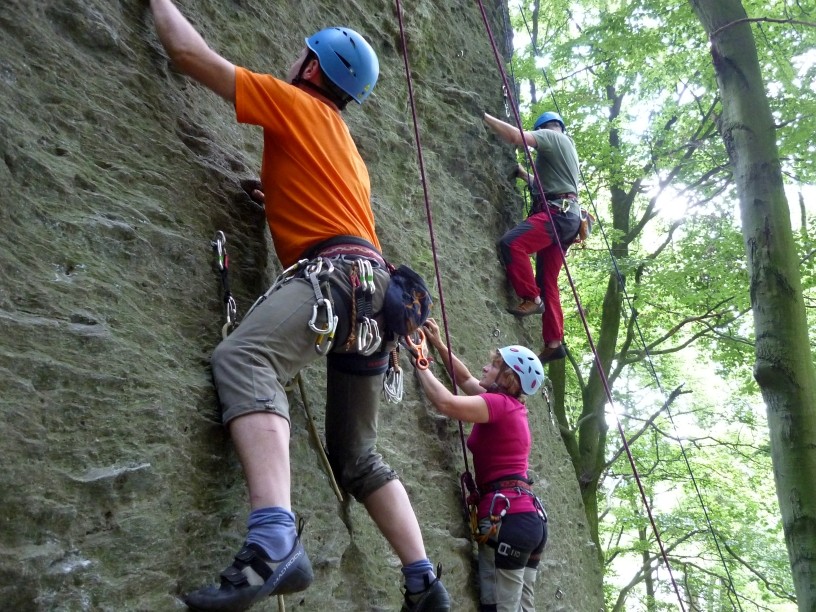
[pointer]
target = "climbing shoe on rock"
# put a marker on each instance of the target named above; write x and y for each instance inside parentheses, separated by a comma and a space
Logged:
(252, 577)
(552, 353)
(527, 308)
(433, 599)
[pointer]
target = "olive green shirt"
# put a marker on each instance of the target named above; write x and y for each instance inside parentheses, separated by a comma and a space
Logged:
(556, 163)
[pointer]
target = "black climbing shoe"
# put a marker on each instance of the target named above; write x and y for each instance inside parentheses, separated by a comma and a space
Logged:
(552, 353)
(433, 599)
(252, 577)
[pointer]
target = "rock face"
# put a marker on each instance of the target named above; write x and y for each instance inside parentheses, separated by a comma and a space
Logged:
(120, 490)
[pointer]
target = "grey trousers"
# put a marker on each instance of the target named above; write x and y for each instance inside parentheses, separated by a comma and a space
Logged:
(273, 343)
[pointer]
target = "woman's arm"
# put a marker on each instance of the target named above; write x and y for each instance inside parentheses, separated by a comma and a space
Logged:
(464, 379)
(468, 408)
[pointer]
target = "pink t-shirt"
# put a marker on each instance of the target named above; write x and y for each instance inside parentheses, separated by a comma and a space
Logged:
(501, 450)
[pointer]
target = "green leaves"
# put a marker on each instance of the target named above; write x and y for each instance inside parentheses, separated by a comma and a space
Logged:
(635, 84)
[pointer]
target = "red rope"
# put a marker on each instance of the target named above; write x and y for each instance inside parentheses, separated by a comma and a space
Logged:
(597, 359)
(428, 214)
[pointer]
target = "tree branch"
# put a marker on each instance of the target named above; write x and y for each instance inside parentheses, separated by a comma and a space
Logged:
(760, 19)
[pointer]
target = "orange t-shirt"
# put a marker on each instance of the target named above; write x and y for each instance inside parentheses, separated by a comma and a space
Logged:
(315, 182)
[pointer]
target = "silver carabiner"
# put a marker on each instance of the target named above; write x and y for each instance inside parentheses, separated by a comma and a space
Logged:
(218, 243)
(323, 347)
(331, 322)
(393, 385)
(493, 504)
(363, 334)
(366, 276)
(376, 339)
(368, 336)
(231, 311)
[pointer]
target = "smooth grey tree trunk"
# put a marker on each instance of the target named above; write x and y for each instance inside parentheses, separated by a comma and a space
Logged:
(784, 367)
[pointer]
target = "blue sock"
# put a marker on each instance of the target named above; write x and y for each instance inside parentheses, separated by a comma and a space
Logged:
(273, 529)
(415, 574)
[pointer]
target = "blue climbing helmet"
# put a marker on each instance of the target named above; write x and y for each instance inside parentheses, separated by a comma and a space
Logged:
(347, 60)
(526, 365)
(546, 118)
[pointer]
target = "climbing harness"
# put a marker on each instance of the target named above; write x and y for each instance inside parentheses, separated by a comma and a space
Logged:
(472, 495)
(219, 246)
(317, 272)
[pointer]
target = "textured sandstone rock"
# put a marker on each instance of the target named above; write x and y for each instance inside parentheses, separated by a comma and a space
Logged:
(119, 488)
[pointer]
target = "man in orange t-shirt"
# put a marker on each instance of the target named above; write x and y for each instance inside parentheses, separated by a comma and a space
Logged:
(317, 199)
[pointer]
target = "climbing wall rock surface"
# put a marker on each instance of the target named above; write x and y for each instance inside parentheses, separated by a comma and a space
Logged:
(120, 490)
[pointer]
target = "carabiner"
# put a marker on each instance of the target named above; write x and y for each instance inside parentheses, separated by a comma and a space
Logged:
(493, 516)
(368, 336)
(322, 347)
(393, 385)
(366, 275)
(331, 320)
(219, 243)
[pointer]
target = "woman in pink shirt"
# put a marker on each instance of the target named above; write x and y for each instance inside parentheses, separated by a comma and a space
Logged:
(500, 442)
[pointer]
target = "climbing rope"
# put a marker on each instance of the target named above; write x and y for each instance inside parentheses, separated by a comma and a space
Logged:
(597, 360)
(648, 356)
(429, 216)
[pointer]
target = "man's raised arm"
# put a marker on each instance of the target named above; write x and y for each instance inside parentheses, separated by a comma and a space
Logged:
(188, 51)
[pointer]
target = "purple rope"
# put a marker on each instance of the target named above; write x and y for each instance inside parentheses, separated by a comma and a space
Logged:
(421, 162)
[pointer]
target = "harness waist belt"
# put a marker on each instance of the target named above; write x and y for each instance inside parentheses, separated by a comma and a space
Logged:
(355, 250)
(498, 485)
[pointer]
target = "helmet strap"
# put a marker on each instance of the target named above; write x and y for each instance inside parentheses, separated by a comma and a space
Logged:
(339, 99)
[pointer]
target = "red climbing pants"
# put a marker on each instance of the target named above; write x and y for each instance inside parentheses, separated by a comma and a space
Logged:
(536, 235)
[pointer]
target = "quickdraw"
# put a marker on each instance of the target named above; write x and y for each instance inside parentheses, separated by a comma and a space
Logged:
(393, 381)
(366, 331)
(219, 246)
(325, 334)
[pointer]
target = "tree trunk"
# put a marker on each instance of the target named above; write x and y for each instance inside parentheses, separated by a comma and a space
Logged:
(646, 564)
(784, 368)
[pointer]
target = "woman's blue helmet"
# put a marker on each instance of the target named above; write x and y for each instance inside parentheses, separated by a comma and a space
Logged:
(546, 118)
(347, 60)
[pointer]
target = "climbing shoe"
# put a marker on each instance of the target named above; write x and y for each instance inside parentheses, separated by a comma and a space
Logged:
(552, 353)
(527, 308)
(252, 577)
(433, 599)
